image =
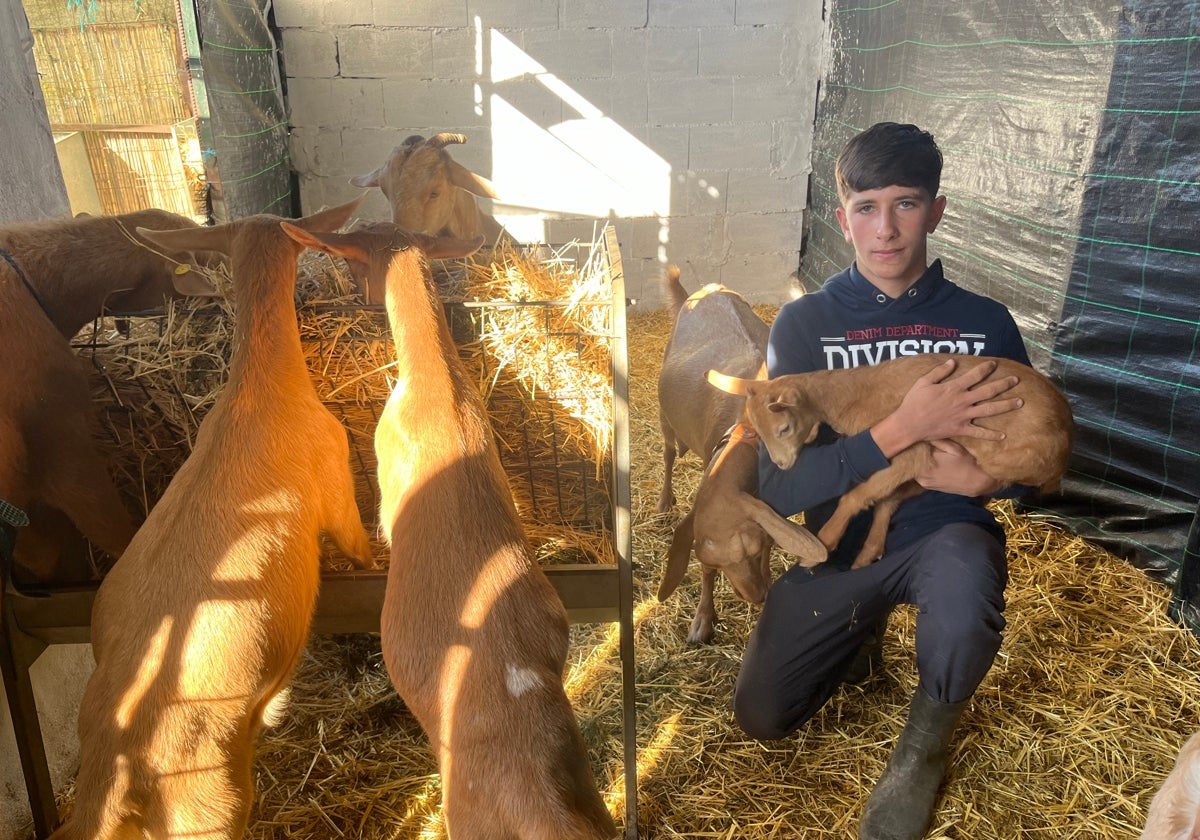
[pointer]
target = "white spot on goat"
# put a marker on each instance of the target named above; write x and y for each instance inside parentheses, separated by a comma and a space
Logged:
(521, 680)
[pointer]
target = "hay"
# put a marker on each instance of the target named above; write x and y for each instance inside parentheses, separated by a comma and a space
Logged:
(1092, 694)
(535, 331)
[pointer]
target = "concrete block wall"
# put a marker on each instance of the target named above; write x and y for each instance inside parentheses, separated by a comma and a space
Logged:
(687, 123)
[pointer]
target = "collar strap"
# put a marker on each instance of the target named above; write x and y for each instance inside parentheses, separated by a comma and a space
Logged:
(12, 515)
(737, 433)
(8, 258)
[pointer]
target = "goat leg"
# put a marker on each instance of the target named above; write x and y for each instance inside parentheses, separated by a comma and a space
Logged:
(904, 467)
(701, 632)
(881, 518)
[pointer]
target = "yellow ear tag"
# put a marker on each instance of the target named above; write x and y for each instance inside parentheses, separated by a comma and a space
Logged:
(183, 268)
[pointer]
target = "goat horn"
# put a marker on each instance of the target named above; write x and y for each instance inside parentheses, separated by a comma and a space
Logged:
(445, 138)
(728, 384)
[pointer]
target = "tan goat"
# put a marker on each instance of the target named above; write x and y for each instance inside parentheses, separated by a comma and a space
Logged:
(474, 635)
(729, 528)
(1175, 810)
(787, 410)
(199, 625)
(62, 274)
(429, 192)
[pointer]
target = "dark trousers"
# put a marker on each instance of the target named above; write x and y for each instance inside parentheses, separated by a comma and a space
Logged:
(814, 621)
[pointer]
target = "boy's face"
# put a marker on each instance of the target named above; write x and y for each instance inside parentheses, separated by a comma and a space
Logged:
(888, 228)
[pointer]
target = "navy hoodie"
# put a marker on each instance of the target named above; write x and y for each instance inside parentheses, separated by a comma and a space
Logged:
(848, 323)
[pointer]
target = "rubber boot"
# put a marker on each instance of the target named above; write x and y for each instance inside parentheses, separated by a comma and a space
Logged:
(901, 805)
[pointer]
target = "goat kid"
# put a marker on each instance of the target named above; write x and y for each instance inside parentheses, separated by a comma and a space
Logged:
(474, 636)
(199, 625)
(1029, 445)
(1175, 809)
(729, 528)
(64, 273)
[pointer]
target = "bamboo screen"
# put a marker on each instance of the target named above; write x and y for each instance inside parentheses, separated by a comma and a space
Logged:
(111, 75)
(135, 170)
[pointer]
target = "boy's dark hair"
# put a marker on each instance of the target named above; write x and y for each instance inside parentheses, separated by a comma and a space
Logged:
(889, 154)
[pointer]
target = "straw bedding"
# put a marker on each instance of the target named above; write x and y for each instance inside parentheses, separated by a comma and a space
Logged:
(1092, 694)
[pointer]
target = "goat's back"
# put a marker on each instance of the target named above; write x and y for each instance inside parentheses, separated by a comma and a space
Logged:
(715, 328)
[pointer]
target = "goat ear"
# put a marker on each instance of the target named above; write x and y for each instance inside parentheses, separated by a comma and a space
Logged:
(189, 239)
(462, 177)
(728, 384)
(338, 244)
(371, 179)
(329, 219)
(792, 538)
(677, 557)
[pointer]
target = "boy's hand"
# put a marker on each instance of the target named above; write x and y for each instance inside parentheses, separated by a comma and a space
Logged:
(936, 408)
(954, 470)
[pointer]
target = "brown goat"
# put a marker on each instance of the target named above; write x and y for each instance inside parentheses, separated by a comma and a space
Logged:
(729, 528)
(474, 636)
(64, 273)
(84, 266)
(199, 625)
(1175, 809)
(787, 410)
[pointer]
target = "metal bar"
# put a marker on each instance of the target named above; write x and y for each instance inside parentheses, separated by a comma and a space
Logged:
(623, 530)
(17, 654)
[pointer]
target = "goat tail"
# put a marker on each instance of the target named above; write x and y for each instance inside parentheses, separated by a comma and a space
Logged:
(676, 294)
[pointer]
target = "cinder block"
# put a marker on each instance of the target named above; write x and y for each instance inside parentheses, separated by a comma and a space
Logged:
(629, 52)
(316, 151)
(672, 52)
(691, 101)
(366, 149)
(670, 142)
(691, 13)
(766, 12)
(730, 146)
(532, 98)
(346, 13)
(756, 190)
(376, 53)
(449, 13)
(695, 238)
(528, 14)
(611, 13)
(764, 233)
(791, 146)
(309, 52)
(699, 192)
(763, 278)
(432, 103)
(768, 99)
(741, 52)
(335, 102)
(575, 52)
(289, 13)
(455, 55)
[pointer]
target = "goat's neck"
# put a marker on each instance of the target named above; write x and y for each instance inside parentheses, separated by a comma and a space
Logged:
(266, 340)
(846, 400)
(430, 379)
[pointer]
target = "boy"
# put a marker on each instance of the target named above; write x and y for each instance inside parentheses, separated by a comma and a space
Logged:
(945, 550)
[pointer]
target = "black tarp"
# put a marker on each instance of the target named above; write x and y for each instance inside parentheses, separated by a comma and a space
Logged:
(243, 122)
(1071, 133)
